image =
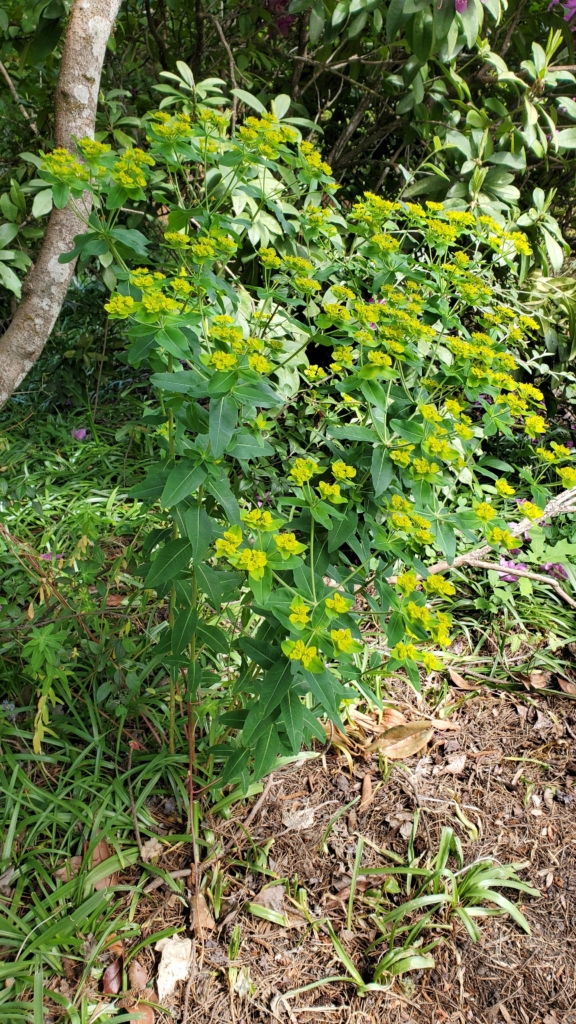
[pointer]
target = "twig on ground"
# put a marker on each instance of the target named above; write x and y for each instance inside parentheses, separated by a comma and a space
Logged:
(21, 107)
(160, 880)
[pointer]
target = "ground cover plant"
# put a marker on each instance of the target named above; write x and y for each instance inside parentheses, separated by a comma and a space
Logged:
(325, 413)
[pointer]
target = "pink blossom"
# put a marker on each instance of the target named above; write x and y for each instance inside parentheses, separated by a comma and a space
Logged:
(79, 434)
(508, 563)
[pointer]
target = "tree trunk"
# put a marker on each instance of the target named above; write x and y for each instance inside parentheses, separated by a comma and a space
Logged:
(47, 281)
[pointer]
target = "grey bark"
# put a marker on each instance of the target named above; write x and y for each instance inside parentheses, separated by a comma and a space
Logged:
(47, 281)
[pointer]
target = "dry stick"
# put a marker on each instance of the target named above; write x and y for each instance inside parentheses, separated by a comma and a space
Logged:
(21, 108)
(132, 804)
(232, 66)
(505, 569)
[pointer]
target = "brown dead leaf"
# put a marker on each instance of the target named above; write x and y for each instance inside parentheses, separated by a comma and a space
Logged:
(147, 1015)
(459, 680)
(115, 945)
(537, 680)
(454, 766)
(298, 820)
(137, 975)
(203, 920)
(114, 600)
(444, 725)
(112, 978)
(566, 686)
(272, 898)
(367, 794)
(403, 740)
(69, 870)
(100, 854)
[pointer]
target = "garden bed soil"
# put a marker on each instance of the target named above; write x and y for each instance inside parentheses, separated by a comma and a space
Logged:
(511, 768)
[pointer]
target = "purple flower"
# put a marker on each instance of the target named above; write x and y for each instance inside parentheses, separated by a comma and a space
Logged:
(79, 434)
(460, 6)
(556, 569)
(508, 563)
(49, 555)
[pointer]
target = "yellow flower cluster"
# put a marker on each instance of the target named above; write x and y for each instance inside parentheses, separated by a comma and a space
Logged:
(128, 169)
(170, 127)
(270, 259)
(265, 135)
(343, 472)
(313, 161)
(338, 604)
(223, 361)
(303, 470)
(64, 166)
(330, 492)
(92, 149)
(403, 518)
(119, 307)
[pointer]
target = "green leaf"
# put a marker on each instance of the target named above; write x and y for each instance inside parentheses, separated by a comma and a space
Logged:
(222, 422)
(247, 446)
(445, 539)
(169, 562)
(184, 479)
(223, 493)
(213, 637)
(42, 203)
(60, 194)
(199, 529)
(184, 629)
(342, 531)
(353, 433)
(234, 766)
(264, 654)
(181, 383)
(317, 21)
(266, 752)
(249, 100)
(10, 280)
(275, 685)
(210, 584)
(293, 717)
(409, 430)
(382, 470)
(395, 18)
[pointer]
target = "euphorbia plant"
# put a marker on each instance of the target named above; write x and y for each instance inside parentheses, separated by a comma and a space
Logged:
(319, 428)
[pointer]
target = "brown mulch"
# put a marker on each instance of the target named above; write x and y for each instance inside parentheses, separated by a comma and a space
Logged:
(511, 768)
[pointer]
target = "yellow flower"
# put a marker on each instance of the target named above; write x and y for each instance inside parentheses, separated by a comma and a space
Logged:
(431, 662)
(176, 240)
(503, 537)
(545, 455)
(561, 450)
(338, 603)
(270, 259)
(120, 306)
(418, 613)
(343, 640)
(253, 561)
(402, 652)
(337, 311)
(307, 285)
(531, 511)
(156, 302)
(259, 363)
(288, 544)
(379, 358)
(406, 582)
(300, 613)
(400, 504)
(401, 456)
(303, 470)
(440, 629)
(227, 546)
(436, 584)
(568, 476)
(422, 467)
(298, 263)
(343, 472)
(529, 391)
(340, 291)
(454, 407)
(223, 360)
(400, 521)
(534, 425)
(430, 413)
(385, 242)
(331, 492)
(485, 512)
(504, 490)
(314, 372)
(258, 519)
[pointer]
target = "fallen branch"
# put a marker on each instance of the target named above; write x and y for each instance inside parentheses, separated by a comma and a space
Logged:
(541, 577)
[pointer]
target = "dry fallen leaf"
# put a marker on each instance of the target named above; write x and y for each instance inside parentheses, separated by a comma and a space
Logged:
(272, 898)
(112, 978)
(403, 740)
(549, 799)
(566, 686)
(459, 680)
(203, 920)
(174, 965)
(114, 600)
(298, 820)
(367, 794)
(147, 1014)
(69, 870)
(150, 849)
(101, 853)
(137, 975)
(537, 680)
(454, 765)
(444, 725)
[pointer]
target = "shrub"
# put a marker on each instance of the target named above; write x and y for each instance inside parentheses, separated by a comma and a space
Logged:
(319, 429)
